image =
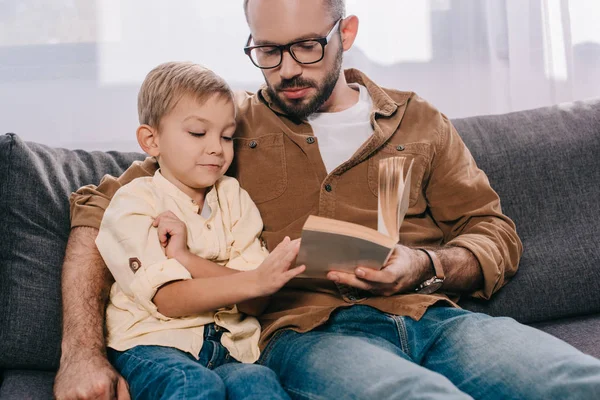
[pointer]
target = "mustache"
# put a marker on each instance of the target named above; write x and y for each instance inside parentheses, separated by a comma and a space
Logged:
(296, 82)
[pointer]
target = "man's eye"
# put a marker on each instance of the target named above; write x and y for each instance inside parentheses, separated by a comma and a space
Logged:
(197, 134)
(268, 51)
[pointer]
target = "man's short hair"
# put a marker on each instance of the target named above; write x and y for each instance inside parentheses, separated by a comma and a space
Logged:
(166, 84)
(337, 8)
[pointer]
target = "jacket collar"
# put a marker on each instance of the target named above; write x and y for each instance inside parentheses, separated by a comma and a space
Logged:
(383, 104)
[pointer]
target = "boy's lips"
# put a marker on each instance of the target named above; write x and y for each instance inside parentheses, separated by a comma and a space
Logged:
(211, 166)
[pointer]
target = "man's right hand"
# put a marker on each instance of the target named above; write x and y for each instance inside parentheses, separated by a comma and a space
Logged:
(89, 377)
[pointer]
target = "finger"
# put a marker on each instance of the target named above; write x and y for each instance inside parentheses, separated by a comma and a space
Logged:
(122, 389)
(292, 273)
(162, 235)
(350, 279)
(281, 247)
(375, 275)
(156, 221)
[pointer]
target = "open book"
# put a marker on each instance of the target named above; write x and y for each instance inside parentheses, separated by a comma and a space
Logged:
(328, 244)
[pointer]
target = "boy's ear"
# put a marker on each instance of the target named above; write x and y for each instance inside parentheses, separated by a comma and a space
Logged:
(147, 138)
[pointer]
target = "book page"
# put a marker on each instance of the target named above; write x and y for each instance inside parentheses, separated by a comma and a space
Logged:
(393, 199)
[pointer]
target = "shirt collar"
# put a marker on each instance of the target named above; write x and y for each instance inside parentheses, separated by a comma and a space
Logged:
(173, 191)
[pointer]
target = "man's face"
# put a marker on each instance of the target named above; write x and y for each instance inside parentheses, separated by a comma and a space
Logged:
(298, 89)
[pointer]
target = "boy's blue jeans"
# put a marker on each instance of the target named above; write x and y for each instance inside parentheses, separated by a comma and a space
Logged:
(362, 353)
(157, 372)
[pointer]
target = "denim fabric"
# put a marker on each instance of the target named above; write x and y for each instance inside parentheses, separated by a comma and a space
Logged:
(157, 372)
(450, 353)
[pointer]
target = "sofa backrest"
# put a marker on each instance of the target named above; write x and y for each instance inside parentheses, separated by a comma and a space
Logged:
(35, 183)
(545, 165)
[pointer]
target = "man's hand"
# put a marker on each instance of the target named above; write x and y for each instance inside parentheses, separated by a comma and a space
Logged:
(89, 377)
(405, 270)
(172, 234)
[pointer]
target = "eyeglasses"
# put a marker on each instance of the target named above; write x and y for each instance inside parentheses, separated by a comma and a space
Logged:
(307, 51)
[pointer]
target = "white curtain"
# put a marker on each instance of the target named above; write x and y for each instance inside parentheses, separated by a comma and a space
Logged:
(70, 69)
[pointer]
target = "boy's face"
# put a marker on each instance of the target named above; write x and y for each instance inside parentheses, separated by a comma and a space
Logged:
(195, 143)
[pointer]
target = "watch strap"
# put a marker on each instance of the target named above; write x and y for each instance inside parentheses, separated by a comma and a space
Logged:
(435, 262)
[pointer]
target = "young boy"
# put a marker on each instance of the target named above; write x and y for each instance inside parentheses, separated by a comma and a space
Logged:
(173, 327)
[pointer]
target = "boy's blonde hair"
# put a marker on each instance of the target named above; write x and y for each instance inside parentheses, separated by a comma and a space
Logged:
(166, 84)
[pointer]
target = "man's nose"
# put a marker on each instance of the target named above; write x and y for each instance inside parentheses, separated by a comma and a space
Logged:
(289, 67)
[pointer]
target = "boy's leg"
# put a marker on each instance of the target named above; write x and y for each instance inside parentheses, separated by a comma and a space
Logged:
(498, 358)
(156, 372)
(358, 354)
(250, 382)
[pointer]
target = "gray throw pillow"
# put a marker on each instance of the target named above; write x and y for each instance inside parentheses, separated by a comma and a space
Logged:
(35, 184)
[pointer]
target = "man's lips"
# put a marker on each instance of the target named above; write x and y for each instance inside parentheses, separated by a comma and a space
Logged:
(295, 93)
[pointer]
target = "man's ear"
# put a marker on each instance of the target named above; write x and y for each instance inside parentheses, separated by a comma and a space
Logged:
(148, 140)
(349, 29)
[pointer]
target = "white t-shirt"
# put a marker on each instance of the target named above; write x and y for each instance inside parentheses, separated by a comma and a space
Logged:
(340, 134)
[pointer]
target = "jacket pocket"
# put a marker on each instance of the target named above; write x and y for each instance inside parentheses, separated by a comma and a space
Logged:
(418, 152)
(260, 166)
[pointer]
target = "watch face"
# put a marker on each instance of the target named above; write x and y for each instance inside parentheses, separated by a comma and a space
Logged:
(431, 286)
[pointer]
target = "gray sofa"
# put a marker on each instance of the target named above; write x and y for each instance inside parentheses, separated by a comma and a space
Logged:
(544, 163)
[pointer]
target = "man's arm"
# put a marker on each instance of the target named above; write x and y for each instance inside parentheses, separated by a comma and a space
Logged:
(481, 249)
(84, 370)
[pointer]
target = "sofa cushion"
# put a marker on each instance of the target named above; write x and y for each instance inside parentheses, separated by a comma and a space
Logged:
(580, 332)
(25, 385)
(545, 165)
(35, 183)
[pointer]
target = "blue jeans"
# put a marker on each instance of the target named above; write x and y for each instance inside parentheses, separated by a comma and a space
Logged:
(362, 353)
(157, 372)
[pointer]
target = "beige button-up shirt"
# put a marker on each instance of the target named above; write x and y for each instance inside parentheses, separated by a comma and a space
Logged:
(226, 232)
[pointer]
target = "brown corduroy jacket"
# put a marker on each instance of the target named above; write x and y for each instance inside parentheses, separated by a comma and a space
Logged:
(277, 160)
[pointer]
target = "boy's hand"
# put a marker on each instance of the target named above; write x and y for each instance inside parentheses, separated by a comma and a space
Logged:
(274, 272)
(172, 234)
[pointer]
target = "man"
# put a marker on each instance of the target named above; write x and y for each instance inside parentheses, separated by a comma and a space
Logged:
(309, 143)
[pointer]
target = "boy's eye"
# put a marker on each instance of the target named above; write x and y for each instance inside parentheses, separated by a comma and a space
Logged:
(227, 138)
(197, 134)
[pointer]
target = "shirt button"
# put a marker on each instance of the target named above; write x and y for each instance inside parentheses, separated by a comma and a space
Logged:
(328, 187)
(310, 140)
(399, 147)
(252, 144)
(208, 227)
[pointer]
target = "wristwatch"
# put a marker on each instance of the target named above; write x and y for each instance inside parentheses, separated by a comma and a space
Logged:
(432, 285)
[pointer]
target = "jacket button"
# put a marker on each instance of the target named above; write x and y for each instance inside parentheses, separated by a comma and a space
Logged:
(399, 147)
(310, 140)
(208, 227)
(252, 144)
(328, 187)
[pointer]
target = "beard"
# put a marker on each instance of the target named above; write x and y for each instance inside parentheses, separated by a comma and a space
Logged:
(302, 108)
